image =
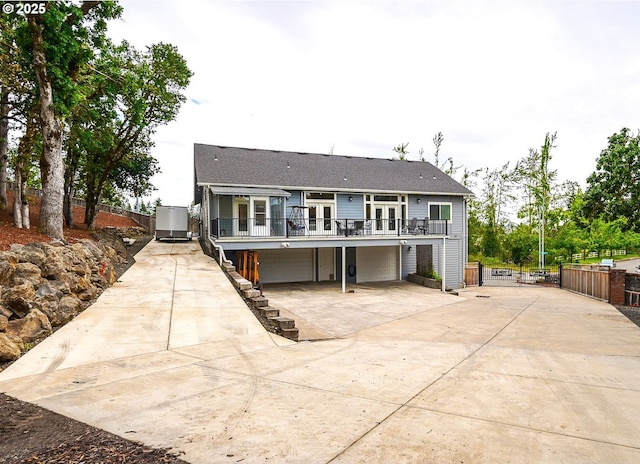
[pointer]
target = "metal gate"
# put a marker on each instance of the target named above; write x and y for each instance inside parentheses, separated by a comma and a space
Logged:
(515, 276)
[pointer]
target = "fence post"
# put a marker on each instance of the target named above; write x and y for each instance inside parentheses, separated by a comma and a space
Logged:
(480, 266)
(560, 275)
(617, 279)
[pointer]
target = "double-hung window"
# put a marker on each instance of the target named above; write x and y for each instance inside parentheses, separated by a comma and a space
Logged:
(440, 211)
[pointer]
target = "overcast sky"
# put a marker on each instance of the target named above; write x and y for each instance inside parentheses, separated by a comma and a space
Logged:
(360, 77)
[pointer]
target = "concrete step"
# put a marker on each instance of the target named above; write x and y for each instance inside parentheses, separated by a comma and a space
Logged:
(260, 301)
(228, 267)
(291, 334)
(250, 293)
(283, 322)
(268, 311)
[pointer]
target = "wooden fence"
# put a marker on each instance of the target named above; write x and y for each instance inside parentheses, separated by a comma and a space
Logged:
(472, 274)
(590, 280)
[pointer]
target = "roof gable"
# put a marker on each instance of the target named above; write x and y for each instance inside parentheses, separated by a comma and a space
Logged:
(233, 166)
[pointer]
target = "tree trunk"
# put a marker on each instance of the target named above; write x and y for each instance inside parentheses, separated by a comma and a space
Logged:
(4, 146)
(51, 163)
(17, 199)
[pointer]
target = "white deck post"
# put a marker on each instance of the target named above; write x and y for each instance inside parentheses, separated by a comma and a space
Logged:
(444, 263)
(344, 270)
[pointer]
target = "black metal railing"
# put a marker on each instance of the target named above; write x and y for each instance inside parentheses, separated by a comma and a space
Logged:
(344, 227)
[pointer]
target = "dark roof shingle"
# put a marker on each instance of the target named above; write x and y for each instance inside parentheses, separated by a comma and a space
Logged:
(218, 165)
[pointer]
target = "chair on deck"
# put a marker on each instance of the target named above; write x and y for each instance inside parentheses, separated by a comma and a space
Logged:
(358, 227)
(413, 226)
(295, 228)
(341, 228)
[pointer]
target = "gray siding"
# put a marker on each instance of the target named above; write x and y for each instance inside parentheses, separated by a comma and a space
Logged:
(294, 200)
(350, 209)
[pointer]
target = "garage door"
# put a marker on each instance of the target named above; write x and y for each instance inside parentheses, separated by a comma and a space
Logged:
(375, 264)
(289, 265)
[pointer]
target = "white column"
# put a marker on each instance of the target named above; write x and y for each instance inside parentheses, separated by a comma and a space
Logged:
(444, 263)
(344, 269)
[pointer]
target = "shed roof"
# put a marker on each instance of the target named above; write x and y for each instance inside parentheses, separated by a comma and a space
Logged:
(248, 167)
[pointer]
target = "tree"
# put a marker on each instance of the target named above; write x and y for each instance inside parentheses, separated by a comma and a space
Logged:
(144, 92)
(60, 43)
(613, 190)
(401, 150)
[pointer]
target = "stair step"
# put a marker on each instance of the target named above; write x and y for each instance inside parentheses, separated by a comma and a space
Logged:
(260, 301)
(228, 267)
(268, 311)
(284, 322)
(291, 334)
(251, 293)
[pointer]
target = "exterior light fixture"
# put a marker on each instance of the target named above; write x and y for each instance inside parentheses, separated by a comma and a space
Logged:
(350, 198)
(418, 200)
(345, 178)
(420, 176)
(288, 165)
(215, 157)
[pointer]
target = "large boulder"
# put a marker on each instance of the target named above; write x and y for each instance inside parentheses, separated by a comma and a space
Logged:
(18, 298)
(10, 347)
(61, 311)
(34, 326)
(29, 272)
(8, 263)
(31, 253)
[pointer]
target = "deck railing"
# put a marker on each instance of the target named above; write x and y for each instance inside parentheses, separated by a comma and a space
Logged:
(343, 227)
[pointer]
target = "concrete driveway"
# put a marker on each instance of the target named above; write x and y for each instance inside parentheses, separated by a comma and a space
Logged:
(170, 356)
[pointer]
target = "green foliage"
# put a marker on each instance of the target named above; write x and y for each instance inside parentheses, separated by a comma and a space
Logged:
(613, 190)
(520, 244)
(428, 272)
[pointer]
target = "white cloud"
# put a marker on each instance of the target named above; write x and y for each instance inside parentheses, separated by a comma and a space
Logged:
(361, 77)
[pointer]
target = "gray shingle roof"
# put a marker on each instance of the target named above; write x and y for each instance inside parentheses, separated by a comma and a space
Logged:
(217, 165)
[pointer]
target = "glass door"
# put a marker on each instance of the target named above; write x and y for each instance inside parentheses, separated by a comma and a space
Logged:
(319, 216)
(386, 219)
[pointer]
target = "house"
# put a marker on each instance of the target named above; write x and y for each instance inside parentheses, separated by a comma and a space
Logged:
(321, 217)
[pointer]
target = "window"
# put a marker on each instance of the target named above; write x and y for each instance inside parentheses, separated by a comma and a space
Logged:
(393, 198)
(260, 211)
(440, 211)
(320, 196)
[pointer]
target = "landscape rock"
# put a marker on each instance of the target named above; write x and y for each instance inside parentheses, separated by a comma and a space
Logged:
(32, 253)
(45, 285)
(18, 298)
(30, 328)
(29, 272)
(8, 263)
(10, 348)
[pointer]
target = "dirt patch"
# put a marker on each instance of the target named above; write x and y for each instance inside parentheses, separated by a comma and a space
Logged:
(632, 313)
(35, 435)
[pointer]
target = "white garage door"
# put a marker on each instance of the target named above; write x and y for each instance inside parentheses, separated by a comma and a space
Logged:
(289, 265)
(375, 264)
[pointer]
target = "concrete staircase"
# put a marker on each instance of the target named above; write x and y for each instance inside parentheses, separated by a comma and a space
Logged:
(283, 326)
